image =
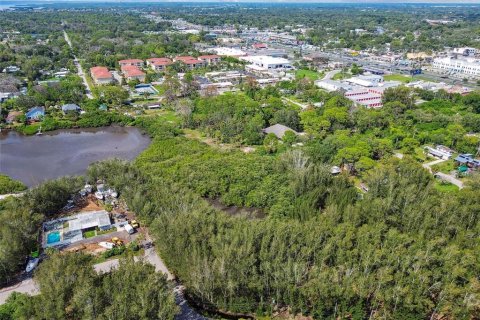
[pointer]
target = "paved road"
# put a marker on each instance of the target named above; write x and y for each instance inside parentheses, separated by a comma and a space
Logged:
(329, 75)
(79, 67)
(26, 286)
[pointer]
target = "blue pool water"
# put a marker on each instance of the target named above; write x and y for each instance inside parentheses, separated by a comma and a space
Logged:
(53, 237)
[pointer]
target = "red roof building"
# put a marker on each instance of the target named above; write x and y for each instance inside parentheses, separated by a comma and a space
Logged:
(131, 62)
(159, 64)
(210, 59)
(133, 73)
(101, 75)
(191, 62)
(258, 46)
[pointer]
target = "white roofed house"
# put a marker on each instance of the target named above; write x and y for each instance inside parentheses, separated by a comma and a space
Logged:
(8, 91)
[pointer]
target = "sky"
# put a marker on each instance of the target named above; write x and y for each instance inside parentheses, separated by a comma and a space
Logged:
(269, 1)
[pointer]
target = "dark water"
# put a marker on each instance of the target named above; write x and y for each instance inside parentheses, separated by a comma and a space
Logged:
(33, 159)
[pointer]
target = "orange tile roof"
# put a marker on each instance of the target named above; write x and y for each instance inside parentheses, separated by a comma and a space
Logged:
(132, 71)
(100, 72)
(160, 61)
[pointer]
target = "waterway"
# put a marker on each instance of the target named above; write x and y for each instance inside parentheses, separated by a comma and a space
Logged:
(34, 159)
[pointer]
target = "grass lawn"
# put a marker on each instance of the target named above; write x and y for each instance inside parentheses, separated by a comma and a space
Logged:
(101, 258)
(166, 115)
(31, 128)
(100, 232)
(397, 77)
(89, 234)
(342, 75)
(160, 88)
(445, 187)
(313, 75)
(445, 167)
(419, 155)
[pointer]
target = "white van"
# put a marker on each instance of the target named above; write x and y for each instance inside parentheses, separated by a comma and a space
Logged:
(129, 228)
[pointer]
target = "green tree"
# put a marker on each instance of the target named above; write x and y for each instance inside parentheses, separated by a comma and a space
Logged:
(270, 143)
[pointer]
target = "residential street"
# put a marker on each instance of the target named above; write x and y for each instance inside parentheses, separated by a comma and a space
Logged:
(329, 75)
(79, 68)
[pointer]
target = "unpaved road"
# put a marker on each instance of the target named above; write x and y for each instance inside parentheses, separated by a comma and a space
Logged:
(186, 311)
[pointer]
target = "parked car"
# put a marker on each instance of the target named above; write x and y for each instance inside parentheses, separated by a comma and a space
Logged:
(32, 264)
(129, 229)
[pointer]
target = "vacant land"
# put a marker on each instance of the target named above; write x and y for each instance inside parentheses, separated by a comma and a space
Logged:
(312, 75)
(397, 77)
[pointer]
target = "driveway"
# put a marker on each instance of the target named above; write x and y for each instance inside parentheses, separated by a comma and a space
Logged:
(443, 176)
(449, 178)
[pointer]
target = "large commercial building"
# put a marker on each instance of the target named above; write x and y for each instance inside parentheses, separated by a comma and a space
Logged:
(465, 51)
(467, 66)
(364, 90)
(266, 63)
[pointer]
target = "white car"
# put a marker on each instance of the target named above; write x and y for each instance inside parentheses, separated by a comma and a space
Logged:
(129, 228)
(32, 264)
(107, 245)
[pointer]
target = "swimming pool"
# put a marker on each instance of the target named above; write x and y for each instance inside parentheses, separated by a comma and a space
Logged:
(53, 237)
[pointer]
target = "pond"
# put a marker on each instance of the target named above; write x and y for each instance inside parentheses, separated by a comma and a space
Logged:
(34, 159)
